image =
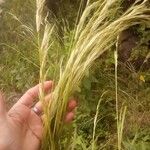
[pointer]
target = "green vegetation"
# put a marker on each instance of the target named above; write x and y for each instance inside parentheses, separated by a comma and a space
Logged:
(22, 64)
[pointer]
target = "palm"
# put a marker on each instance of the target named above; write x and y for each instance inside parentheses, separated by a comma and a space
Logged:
(29, 126)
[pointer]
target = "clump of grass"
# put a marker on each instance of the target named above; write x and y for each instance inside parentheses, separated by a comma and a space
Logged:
(96, 32)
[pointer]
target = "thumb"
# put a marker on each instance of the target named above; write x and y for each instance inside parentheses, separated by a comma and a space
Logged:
(2, 105)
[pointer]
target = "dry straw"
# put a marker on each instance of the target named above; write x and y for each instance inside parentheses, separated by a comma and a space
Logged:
(97, 31)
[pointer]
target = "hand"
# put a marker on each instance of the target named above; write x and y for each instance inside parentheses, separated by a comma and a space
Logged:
(21, 127)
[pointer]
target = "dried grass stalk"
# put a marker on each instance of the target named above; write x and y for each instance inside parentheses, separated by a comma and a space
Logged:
(44, 44)
(39, 13)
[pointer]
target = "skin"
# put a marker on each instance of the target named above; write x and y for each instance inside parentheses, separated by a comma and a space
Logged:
(20, 127)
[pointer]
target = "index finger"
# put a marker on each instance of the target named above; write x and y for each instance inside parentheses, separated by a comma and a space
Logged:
(28, 98)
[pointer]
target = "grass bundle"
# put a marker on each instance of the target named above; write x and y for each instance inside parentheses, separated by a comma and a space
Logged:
(97, 31)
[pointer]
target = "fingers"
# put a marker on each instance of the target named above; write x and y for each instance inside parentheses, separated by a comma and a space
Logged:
(28, 98)
(69, 117)
(38, 108)
(2, 106)
(22, 108)
(72, 104)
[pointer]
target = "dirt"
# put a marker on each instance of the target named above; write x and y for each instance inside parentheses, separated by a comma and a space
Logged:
(128, 41)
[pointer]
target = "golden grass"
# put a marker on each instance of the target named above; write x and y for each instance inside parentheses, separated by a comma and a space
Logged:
(97, 31)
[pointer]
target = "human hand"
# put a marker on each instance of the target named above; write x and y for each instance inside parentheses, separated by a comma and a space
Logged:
(21, 127)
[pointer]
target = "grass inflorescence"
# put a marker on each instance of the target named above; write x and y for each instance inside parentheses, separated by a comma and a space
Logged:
(96, 33)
